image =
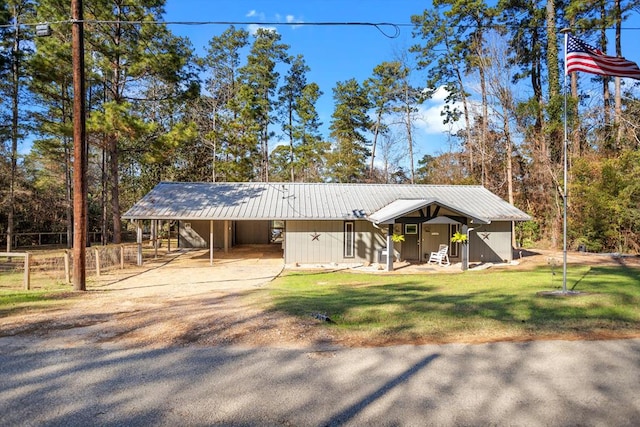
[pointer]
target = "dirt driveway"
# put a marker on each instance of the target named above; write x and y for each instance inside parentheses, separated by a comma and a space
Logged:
(176, 300)
(181, 300)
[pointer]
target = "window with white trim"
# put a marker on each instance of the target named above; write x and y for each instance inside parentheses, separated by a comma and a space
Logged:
(349, 239)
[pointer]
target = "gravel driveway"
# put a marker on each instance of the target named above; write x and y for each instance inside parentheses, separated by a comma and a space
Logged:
(177, 300)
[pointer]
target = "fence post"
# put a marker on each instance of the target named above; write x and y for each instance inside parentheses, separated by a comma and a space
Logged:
(67, 274)
(122, 257)
(97, 255)
(27, 273)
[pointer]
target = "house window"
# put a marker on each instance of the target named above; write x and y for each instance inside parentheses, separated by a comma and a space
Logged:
(349, 239)
(455, 247)
(411, 229)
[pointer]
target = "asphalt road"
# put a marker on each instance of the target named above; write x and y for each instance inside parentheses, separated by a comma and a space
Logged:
(536, 383)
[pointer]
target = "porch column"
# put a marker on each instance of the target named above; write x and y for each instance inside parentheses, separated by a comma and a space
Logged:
(226, 236)
(139, 241)
(390, 248)
(465, 248)
(211, 242)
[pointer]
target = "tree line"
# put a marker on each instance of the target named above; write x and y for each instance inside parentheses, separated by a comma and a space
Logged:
(159, 112)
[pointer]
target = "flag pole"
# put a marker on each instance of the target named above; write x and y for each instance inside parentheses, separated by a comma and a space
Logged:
(566, 32)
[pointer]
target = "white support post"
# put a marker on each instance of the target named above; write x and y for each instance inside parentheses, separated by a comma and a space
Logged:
(465, 247)
(155, 237)
(67, 265)
(211, 242)
(390, 248)
(27, 272)
(139, 241)
(96, 253)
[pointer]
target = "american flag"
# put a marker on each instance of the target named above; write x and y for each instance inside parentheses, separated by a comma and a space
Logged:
(579, 56)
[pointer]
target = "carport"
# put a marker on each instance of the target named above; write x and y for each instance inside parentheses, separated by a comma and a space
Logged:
(320, 223)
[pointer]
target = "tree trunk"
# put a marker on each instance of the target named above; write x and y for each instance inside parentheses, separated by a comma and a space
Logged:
(606, 94)
(552, 50)
(115, 190)
(376, 132)
(618, 95)
(15, 88)
(409, 135)
(485, 122)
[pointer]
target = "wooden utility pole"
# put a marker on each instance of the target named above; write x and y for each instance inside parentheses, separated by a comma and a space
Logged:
(79, 150)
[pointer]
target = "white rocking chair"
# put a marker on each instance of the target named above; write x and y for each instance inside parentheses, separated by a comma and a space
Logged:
(441, 257)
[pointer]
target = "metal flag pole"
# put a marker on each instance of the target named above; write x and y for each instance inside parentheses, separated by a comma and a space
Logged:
(566, 32)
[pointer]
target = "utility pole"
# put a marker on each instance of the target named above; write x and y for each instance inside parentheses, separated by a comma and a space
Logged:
(80, 151)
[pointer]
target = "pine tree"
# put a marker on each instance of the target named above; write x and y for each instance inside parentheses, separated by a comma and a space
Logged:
(260, 80)
(350, 121)
(12, 81)
(222, 64)
(126, 55)
(300, 123)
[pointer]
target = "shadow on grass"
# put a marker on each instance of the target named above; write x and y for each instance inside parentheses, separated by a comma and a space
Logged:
(438, 306)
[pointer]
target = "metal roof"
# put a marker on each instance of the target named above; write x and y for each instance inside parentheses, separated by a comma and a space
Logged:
(402, 207)
(313, 201)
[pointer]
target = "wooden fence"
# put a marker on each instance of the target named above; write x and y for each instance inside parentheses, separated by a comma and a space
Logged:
(27, 267)
(58, 265)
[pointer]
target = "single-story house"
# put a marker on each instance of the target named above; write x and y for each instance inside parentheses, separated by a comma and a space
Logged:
(336, 223)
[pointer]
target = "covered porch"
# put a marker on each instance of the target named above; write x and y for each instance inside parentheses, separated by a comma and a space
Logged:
(424, 225)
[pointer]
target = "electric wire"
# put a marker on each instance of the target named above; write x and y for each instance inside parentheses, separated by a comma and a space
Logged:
(388, 29)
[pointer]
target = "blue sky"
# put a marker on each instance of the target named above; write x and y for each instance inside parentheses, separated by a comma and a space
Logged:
(334, 53)
(338, 53)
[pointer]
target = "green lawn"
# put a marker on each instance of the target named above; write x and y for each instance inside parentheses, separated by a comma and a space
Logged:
(482, 306)
(45, 292)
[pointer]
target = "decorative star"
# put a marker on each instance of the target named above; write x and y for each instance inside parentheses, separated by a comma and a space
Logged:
(315, 236)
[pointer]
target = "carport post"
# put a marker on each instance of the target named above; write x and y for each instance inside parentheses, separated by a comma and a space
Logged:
(139, 241)
(154, 229)
(211, 242)
(226, 236)
(390, 248)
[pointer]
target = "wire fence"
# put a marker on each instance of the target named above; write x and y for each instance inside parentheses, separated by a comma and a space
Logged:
(17, 269)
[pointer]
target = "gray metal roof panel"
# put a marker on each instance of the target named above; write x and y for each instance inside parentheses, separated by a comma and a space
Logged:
(235, 201)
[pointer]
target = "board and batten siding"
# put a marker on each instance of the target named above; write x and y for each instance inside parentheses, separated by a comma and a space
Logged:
(195, 234)
(321, 242)
(253, 232)
(491, 243)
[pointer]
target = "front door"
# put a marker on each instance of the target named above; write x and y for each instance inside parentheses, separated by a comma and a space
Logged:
(411, 244)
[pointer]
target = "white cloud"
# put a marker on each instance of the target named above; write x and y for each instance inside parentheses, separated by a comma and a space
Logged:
(293, 20)
(253, 28)
(431, 119)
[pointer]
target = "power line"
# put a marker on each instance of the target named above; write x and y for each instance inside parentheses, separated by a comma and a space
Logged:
(383, 27)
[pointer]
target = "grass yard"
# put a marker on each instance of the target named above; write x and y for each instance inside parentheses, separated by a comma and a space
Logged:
(470, 307)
